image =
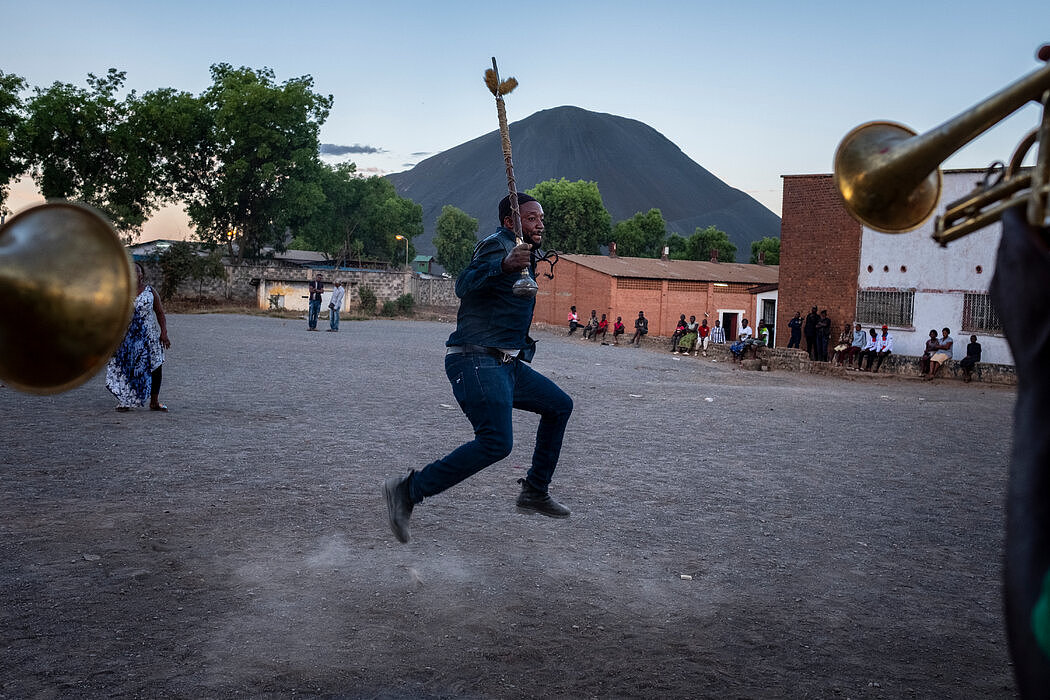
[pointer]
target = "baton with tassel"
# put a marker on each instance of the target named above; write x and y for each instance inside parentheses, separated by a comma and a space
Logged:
(526, 286)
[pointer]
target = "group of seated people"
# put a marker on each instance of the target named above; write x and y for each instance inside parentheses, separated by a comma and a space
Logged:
(596, 328)
(873, 348)
(746, 340)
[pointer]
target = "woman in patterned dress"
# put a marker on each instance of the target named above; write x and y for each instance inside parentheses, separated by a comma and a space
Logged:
(134, 371)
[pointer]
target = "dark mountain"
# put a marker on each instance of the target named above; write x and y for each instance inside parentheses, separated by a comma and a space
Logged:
(636, 169)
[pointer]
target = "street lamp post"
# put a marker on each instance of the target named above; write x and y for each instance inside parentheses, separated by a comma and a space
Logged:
(405, 239)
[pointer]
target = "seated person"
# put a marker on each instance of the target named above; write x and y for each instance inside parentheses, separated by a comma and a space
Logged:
(860, 339)
(744, 340)
(601, 330)
(943, 354)
(679, 330)
(843, 346)
(884, 349)
(973, 356)
(932, 346)
(871, 348)
(618, 329)
(592, 325)
(688, 339)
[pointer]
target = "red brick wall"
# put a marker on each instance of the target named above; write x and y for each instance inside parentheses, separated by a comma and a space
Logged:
(574, 284)
(819, 254)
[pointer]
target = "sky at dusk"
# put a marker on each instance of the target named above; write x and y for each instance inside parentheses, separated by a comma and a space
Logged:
(749, 90)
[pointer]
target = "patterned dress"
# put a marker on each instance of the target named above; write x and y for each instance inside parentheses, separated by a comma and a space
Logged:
(128, 372)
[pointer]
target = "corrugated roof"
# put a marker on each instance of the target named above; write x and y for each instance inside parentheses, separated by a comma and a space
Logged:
(692, 270)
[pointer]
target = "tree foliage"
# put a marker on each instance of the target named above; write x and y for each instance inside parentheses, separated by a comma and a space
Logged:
(259, 164)
(86, 144)
(699, 245)
(455, 239)
(11, 115)
(181, 262)
(357, 217)
(768, 245)
(575, 218)
(641, 236)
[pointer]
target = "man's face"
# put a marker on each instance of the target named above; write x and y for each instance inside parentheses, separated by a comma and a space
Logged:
(531, 222)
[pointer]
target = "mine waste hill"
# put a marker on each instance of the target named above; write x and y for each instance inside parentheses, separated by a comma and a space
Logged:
(635, 166)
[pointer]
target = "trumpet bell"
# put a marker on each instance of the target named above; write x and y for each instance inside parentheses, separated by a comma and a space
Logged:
(875, 186)
(66, 294)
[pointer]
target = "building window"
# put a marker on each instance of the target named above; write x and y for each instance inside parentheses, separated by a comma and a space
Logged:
(896, 308)
(680, 286)
(980, 315)
(636, 283)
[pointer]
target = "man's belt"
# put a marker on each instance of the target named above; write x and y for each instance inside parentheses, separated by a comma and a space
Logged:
(481, 350)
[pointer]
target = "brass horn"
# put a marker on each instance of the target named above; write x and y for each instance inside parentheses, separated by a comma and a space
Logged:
(66, 295)
(890, 178)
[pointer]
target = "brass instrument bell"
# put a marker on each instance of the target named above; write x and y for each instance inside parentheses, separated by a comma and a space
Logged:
(66, 294)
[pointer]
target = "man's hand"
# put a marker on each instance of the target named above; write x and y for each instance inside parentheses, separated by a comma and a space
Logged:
(518, 258)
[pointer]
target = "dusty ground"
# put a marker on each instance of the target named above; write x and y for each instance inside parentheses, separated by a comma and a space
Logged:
(842, 537)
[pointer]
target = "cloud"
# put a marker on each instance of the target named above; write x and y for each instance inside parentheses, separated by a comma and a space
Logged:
(419, 154)
(331, 149)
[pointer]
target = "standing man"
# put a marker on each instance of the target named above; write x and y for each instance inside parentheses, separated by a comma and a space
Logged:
(486, 363)
(316, 290)
(795, 324)
(335, 305)
(810, 331)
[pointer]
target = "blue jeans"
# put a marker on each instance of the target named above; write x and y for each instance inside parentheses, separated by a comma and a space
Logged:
(315, 309)
(487, 390)
(333, 319)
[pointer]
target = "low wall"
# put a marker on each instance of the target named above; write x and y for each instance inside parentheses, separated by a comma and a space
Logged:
(791, 360)
(894, 365)
(272, 284)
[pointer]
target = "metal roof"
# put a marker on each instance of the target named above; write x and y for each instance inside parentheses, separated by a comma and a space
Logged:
(692, 270)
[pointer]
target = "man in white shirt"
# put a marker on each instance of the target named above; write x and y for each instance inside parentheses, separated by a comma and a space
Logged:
(335, 305)
(884, 348)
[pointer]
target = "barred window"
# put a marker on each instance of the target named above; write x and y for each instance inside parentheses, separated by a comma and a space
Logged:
(979, 314)
(896, 308)
(636, 283)
(681, 286)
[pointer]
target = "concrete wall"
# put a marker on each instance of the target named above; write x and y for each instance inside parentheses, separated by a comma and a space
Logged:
(255, 284)
(939, 276)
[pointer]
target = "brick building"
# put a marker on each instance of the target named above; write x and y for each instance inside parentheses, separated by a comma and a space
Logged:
(906, 280)
(663, 289)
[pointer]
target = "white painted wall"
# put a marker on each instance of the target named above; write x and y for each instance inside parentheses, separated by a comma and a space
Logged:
(938, 276)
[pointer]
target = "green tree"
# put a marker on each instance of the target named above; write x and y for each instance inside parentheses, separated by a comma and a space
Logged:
(768, 245)
(11, 115)
(84, 144)
(641, 236)
(699, 245)
(456, 237)
(329, 227)
(258, 168)
(182, 262)
(357, 217)
(575, 218)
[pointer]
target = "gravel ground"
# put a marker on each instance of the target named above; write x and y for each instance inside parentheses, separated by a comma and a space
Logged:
(734, 533)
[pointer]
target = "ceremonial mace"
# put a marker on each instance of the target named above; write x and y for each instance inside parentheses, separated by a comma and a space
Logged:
(526, 286)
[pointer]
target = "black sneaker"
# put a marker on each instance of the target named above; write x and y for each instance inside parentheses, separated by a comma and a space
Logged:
(398, 506)
(532, 500)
